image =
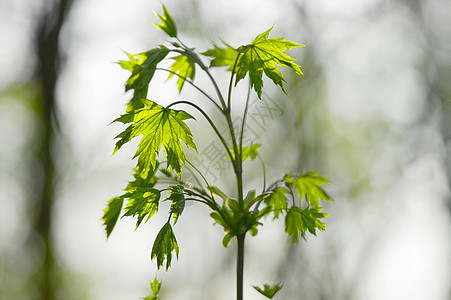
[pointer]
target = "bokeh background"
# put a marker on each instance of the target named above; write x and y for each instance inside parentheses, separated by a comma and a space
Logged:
(372, 112)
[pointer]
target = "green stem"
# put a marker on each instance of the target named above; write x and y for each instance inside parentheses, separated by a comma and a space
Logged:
(229, 96)
(244, 119)
(224, 143)
(197, 60)
(236, 162)
(194, 85)
(240, 266)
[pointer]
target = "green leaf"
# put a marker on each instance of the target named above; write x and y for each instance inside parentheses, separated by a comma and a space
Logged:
(111, 214)
(227, 239)
(225, 218)
(155, 286)
(233, 204)
(222, 57)
(269, 291)
(142, 202)
(310, 218)
(277, 201)
(167, 23)
(178, 201)
(184, 67)
(250, 197)
(251, 151)
(300, 220)
(142, 180)
(219, 219)
(293, 223)
(246, 152)
(160, 127)
(289, 181)
(143, 67)
(163, 246)
(309, 185)
(249, 202)
(217, 191)
(253, 231)
(262, 56)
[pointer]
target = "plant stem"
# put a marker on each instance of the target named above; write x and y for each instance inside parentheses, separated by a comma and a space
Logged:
(240, 266)
(213, 126)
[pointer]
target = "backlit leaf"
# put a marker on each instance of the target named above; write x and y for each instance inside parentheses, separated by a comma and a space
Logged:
(184, 67)
(222, 57)
(309, 185)
(142, 202)
(165, 243)
(178, 201)
(277, 201)
(262, 56)
(134, 192)
(251, 152)
(160, 127)
(167, 23)
(143, 67)
(111, 214)
(155, 286)
(269, 291)
(300, 220)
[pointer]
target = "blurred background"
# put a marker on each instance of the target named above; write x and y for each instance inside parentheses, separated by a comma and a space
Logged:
(372, 112)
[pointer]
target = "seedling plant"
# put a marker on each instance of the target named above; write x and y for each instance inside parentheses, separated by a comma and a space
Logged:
(161, 158)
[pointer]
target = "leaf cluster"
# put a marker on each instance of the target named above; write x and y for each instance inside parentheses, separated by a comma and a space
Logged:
(296, 197)
(164, 137)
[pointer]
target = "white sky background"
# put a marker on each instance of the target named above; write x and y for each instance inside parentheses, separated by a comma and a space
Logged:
(371, 71)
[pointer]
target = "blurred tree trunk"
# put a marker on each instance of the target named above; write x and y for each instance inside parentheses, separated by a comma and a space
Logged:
(48, 62)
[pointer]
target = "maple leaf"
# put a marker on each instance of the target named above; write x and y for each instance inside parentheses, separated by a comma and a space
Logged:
(111, 214)
(143, 66)
(277, 200)
(164, 244)
(167, 23)
(262, 55)
(309, 185)
(155, 286)
(222, 57)
(184, 67)
(161, 128)
(135, 190)
(251, 151)
(269, 291)
(143, 201)
(300, 220)
(178, 201)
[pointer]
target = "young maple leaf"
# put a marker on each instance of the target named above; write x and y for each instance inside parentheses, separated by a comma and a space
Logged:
(111, 214)
(262, 55)
(277, 201)
(167, 23)
(184, 67)
(178, 201)
(165, 243)
(300, 220)
(155, 285)
(309, 185)
(143, 67)
(269, 291)
(160, 127)
(222, 57)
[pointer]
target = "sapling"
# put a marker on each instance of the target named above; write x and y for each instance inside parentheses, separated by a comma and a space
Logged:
(161, 158)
